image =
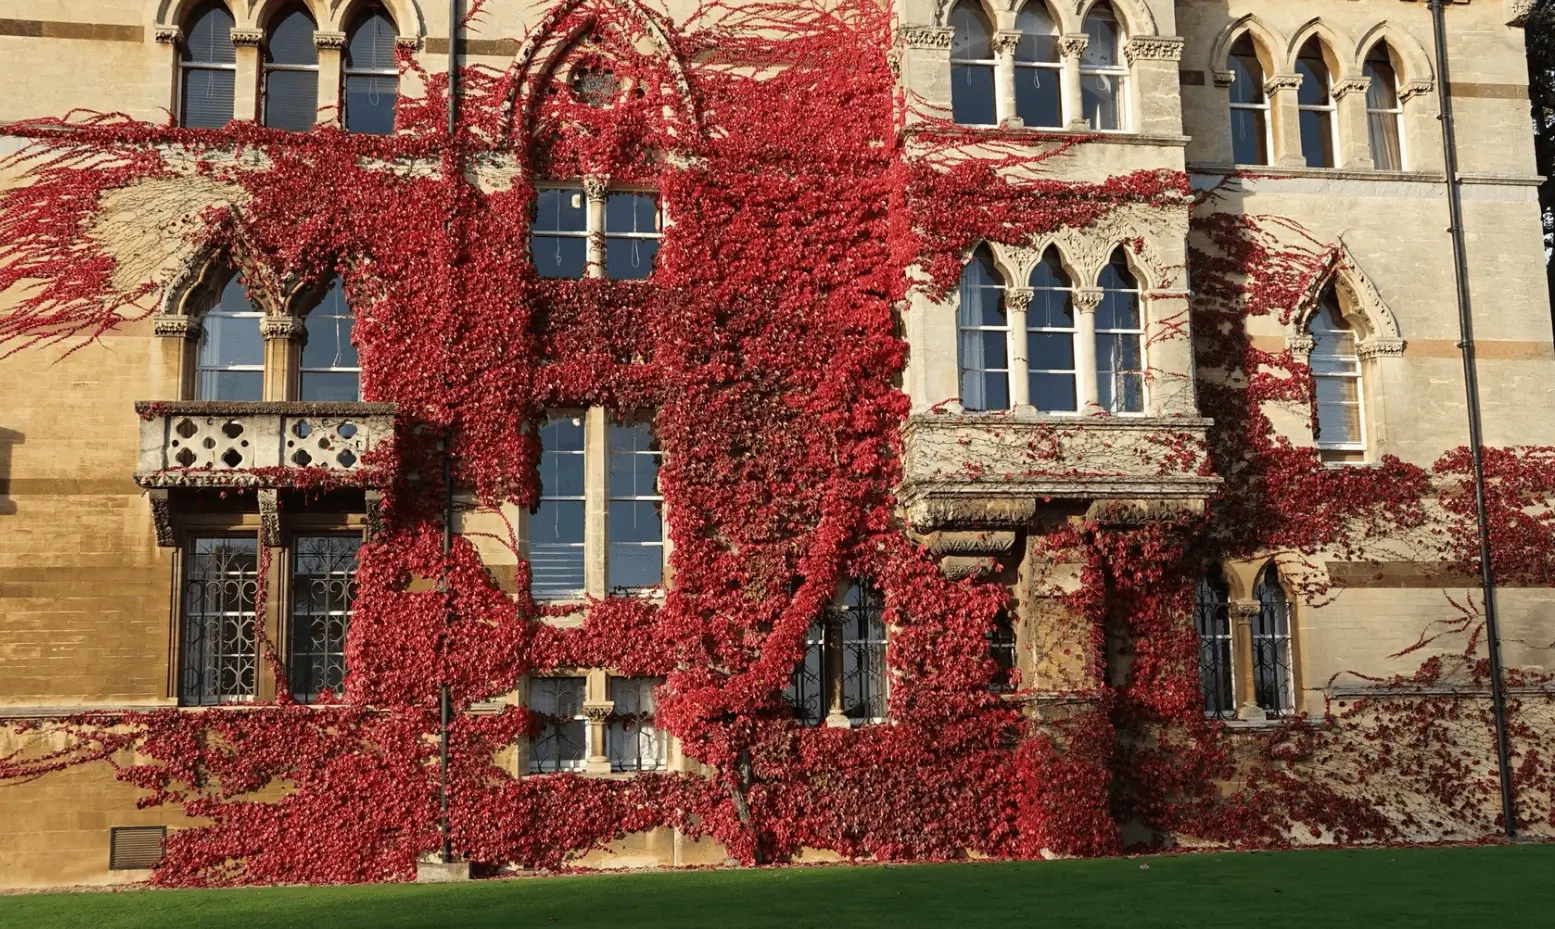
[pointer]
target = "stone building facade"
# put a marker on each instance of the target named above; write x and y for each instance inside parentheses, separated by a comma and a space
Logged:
(114, 459)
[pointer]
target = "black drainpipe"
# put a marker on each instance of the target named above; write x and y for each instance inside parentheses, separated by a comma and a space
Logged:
(1487, 576)
(445, 710)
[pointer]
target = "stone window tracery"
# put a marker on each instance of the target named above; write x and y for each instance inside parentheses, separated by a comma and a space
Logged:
(208, 64)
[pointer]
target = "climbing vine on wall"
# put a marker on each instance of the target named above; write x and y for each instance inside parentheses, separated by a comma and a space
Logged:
(766, 341)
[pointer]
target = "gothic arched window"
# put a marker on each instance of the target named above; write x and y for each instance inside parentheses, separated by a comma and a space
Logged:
(1336, 371)
(984, 330)
(971, 66)
(291, 71)
(1273, 684)
(209, 68)
(1315, 101)
(371, 73)
(1103, 74)
(330, 370)
(1249, 105)
(843, 672)
(1038, 68)
(1212, 617)
(1120, 340)
(230, 357)
(1384, 110)
(1050, 334)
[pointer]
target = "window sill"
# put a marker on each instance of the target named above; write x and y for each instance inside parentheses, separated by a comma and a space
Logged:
(1331, 174)
(1040, 133)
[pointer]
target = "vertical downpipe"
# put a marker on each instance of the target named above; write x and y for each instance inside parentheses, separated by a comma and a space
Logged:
(1476, 436)
(444, 708)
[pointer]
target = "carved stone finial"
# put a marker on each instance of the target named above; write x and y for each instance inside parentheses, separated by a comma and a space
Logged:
(282, 327)
(1088, 299)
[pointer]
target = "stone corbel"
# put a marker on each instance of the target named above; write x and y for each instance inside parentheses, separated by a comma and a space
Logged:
(1153, 48)
(1281, 82)
(247, 36)
(176, 326)
(1300, 347)
(162, 517)
(410, 43)
(1517, 12)
(1354, 85)
(168, 35)
(1414, 89)
(269, 517)
(1223, 78)
(1126, 513)
(1380, 348)
(282, 327)
(323, 40)
(927, 38)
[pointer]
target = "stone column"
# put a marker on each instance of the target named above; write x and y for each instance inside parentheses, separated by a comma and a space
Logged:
(284, 336)
(245, 93)
(596, 503)
(1016, 300)
(1153, 61)
(272, 622)
(1246, 697)
(179, 336)
(1072, 45)
(594, 189)
(1354, 133)
(831, 668)
(171, 38)
(1086, 301)
(1004, 42)
(331, 46)
(1281, 90)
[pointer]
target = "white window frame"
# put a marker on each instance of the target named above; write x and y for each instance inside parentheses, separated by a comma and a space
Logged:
(1144, 359)
(1118, 71)
(1074, 350)
(1353, 362)
(1395, 113)
(1332, 110)
(1265, 108)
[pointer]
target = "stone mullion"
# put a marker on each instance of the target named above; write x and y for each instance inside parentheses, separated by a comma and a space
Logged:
(596, 466)
(1246, 696)
(1354, 132)
(831, 669)
(1072, 46)
(594, 189)
(1004, 43)
(245, 92)
(331, 46)
(1281, 91)
(1016, 301)
(283, 337)
(597, 708)
(1086, 301)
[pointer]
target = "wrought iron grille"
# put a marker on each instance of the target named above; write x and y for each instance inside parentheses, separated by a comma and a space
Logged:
(562, 742)
(221, 579)
(323, 592)
(861, 621)
(807, 687)
(1001, 648)
(1273, 683)
(632, 740)
(1212, 616)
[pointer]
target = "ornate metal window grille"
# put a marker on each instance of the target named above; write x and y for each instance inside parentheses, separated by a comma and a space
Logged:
(561, 744)
(1273, 683)
(632, 740)
(1001, 648)
(323, 592)
(843, 670)
(1212, 616)
(221, 579)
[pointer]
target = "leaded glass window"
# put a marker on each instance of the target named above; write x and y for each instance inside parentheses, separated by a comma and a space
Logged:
(371, 73)
(230, 357)
(217, 654)
(330, 369)
(1120, 340)
(323, 595)
(632, 226)
(208, 67)
(1315, 102)
(984, 331)
(1039, 70)
(1103, 73)
(632, 740)
(561, 232)
(1273, 684)
(1212, 617)
(636, 521)
(556, 537)
(1050, 335)
(1250, 144)
(561, 743)
(971, 66)
(291, 71)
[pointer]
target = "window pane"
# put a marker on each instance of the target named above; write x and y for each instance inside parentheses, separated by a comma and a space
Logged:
(291, 41)
(629, 259)
(1038, 34)
(561, 744)
(323, 595)
(1099, 97)
(556, 546)
(1317, 139)
(217, 657)
(228, 340)
(863, 656)
(207, 98)
(1053, 393)
(633, 567)
(1213, 619)
(1249, 138)
(971, 35)
(1118, 310)
(560, 257)
(331, 387)
(230, 385)
(371, 44)
(1314, 81)
(1101, 28)
(1050, 351)
(1385, 152)
(1247, 74)
(632, 740)
(1050, 309)
(370, 104)
(557, 521)
(291, 99)
(208, 37)
(635, 519)
(631, 212)
(972, 95)
(329, 328)
(1038, 101)
(560, 209)
(1382, 94)
(806, 691)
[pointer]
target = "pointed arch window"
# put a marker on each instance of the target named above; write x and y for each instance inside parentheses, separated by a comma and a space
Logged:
(1120, 340)
(1384, 109)
(983, 326)
(1050, 338)
(971, 66)
(330, 370)
(1315, 101)
(1336, 371)
(1250, 144)
(208, 67)
(1273, 679)
(1038, 68)
(291, 88)
(230, 356)
(1103, 74)
(843, 672)
(371, 73)
(1212, 617)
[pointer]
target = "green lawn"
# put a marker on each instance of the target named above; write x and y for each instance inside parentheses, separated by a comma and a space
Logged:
(1454, 888)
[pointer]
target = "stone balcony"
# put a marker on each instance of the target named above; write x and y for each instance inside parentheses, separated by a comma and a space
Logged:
(198, 444)
(992, 472)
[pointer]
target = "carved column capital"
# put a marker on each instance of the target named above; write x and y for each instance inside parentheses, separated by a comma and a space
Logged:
(1223, 78)
(282, 327)
(595, 187)
(1280, 82)
(1354, 85)
(1300, 347)
(410, 43)
(335, 40)
(176, 326)
(1005, 41)
(247, 36)
(1243, 611)
(1017, 299)
(168, 35)
(598, 712)
(1088, 299)
(1073, 44)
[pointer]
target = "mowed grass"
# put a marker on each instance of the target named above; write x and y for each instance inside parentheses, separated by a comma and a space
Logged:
(1500, 887)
